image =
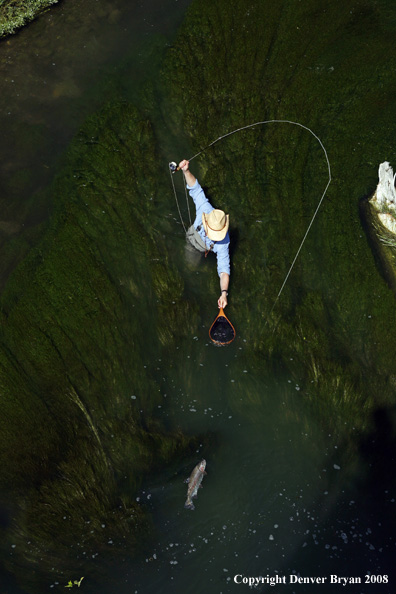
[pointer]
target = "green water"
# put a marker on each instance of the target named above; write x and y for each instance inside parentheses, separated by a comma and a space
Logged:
(296, 418)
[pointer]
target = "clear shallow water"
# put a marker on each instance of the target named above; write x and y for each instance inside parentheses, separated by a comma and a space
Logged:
(56, 72)
(281, 494)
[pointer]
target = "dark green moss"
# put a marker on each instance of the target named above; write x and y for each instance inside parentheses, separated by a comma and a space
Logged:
(100, 295)
(322, 66)
(77, 401)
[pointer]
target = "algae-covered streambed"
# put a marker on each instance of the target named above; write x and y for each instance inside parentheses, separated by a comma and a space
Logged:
(109, 387)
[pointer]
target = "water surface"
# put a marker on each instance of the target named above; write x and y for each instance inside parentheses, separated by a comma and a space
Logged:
(295, 483)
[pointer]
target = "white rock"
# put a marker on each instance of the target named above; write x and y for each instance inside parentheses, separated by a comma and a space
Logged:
(388, 221)
(385, 194)
(384, 199)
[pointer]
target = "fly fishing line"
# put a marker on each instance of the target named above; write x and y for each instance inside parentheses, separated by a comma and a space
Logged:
(177, 202)
(173, 167)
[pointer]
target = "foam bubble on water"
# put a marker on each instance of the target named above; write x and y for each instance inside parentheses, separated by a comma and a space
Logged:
(370, 546)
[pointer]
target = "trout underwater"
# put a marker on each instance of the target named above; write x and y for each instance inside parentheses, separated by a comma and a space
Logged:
(194, 482)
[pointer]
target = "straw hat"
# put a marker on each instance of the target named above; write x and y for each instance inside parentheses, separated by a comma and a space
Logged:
(216, 224)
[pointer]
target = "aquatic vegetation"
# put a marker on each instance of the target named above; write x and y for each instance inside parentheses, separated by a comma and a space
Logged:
(77, 583)
(101, 296)
(14, 14)
(270, 180)
(388, 240)
(72, 353)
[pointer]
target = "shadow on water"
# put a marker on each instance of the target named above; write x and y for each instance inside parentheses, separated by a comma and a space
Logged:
(378, 451)
(354, 518)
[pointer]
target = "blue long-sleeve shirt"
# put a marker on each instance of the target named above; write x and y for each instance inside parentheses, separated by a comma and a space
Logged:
(220, 248)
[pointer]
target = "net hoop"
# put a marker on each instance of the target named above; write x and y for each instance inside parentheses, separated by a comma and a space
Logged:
(218, 342)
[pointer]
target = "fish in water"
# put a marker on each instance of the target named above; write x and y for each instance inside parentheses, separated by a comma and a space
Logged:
(194, 482)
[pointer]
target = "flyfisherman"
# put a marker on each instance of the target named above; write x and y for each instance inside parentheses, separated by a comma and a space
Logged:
(209, 233)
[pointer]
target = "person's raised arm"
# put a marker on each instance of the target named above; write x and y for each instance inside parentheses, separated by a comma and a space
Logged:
(190, 178)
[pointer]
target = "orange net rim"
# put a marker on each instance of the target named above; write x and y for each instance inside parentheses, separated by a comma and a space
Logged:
(221, 313)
